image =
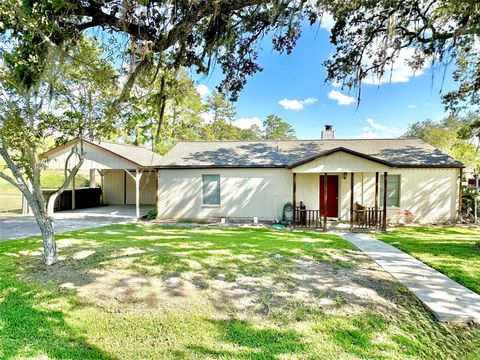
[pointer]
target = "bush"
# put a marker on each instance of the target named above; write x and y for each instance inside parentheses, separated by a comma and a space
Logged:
(151, 214)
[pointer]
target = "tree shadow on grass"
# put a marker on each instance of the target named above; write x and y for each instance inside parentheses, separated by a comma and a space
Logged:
(253, 343)
(28, 328)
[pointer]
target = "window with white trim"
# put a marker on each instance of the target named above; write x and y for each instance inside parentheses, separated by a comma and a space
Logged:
(393, 190)
(211, 189)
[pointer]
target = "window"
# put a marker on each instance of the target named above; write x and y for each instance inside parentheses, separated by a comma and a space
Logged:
(211, 189)
(393, 190)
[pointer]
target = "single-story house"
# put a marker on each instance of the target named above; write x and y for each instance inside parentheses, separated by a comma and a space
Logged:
(346, 177)
(366, 182)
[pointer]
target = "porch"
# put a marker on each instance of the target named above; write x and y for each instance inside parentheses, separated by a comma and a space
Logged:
(332, 194)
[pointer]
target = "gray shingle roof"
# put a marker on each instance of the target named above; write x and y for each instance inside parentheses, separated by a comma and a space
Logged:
(394, 152)
(136, 154)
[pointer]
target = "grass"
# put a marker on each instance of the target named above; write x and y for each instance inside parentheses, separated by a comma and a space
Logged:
(142, 291)
(11, 198)
(454, 251)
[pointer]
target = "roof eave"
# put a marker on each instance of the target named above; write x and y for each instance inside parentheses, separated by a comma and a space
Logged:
(220, 167)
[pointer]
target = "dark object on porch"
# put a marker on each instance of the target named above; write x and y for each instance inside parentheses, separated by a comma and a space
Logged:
(287, 214)
(307, 218)
(84, 198)
(367, 217)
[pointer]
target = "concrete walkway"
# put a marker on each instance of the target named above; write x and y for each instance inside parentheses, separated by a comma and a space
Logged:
(448, 300)
(21, 226)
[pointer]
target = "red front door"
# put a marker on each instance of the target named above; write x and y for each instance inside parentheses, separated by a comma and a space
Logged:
(332, 195)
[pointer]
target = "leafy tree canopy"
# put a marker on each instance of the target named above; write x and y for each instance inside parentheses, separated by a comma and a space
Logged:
(369, 35)
(278, 129)
(457, 136)
(168, 34)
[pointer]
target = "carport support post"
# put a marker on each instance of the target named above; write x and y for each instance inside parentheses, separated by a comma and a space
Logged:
(138, 176)
(102, 173)
(92, 178)
(73, 193)
(384, 220)
(325, 199)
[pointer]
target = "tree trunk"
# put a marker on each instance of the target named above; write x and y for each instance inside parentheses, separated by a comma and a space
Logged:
(48, 237)
(51, 203)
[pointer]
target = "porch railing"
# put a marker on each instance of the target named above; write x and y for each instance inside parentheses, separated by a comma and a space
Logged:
(307, 218)
(367, 218)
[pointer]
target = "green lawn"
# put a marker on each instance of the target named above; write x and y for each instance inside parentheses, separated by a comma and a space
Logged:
(454, 251)
(146, 292)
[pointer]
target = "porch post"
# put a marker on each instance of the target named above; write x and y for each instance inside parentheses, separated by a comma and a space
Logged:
(294, 195)
(384, 220)
(351, 200)
(325, 198)
(376, 198)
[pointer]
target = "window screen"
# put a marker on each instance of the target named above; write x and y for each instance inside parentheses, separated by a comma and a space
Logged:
(211, 189)
(393, 190)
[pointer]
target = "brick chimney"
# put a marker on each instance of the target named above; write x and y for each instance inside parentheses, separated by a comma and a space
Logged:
(328, 132)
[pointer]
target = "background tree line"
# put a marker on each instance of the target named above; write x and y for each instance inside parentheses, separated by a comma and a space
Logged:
(457, 135)
(186, 116)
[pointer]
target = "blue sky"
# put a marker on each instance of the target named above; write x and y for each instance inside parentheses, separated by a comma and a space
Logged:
(385, 110)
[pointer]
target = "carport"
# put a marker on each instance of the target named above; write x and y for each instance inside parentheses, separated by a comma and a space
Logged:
(127, 173)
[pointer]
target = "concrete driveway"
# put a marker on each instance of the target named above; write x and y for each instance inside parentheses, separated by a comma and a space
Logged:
(20, 226)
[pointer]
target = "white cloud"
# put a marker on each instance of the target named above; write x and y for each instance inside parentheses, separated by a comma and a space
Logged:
(411, 106)
(340, 98)
(368, 134)
(375, 125)
(288, 104)
(202, 89)
(246, 123)
(376, 130)
(308, 101)
(327, 22)
(398, 72)
(293, 104)
(207, 116)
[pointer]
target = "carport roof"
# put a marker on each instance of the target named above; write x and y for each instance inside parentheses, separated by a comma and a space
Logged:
(138, 156)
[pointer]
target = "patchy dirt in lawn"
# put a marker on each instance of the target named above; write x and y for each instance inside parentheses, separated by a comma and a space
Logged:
(303, 281)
